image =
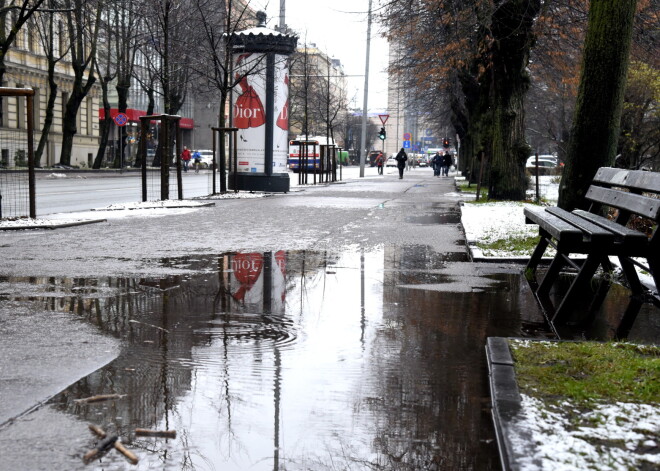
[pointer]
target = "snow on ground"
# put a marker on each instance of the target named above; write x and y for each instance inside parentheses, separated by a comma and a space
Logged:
(121, 210)
(608, 437)
(486, 223)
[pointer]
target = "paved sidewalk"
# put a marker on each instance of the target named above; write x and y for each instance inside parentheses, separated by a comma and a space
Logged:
(44, 353)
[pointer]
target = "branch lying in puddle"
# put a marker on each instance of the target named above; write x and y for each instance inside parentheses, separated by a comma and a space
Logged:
(100, 398)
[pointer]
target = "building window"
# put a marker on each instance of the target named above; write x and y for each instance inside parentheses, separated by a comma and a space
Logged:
(31, 40)
(36, 109)
(61, 38)
(65, 98)
(90, 116)
(20, 110)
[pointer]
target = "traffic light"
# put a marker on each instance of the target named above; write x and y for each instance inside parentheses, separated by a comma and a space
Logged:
(382, 135)
(445, 143)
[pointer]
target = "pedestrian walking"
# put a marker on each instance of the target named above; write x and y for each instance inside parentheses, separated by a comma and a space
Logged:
(185, 157)
(379, 163)
(436, 163)
(197, 160)
(401, 159)
(447, 162)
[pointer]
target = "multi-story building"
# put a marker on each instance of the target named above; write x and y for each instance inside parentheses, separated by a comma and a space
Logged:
(408, 120)
(317, 92)
(27, 68)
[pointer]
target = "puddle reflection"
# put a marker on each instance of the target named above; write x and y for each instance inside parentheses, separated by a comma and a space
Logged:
(296, 360)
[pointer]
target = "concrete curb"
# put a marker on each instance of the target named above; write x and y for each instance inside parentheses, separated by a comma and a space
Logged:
(52, 226)
(179, 206)
(506, 402)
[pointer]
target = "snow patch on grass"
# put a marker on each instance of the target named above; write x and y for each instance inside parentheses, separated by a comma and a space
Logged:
(608, 437)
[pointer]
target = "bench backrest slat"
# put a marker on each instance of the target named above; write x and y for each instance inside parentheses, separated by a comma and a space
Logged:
(637, 204)
(639, 180)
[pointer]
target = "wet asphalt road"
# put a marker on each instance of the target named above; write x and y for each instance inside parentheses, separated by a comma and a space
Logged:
(334, 327)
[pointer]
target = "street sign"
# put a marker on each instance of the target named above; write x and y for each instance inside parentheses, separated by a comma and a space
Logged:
(406, 144)
(121, 119)
(406, 136)
(383, 118)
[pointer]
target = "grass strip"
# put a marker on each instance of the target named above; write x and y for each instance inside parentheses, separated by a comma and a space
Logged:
(588, 372)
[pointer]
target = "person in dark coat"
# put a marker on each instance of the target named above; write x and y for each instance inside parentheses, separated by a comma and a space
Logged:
(401, 159)
(447, 162)
(436, 163)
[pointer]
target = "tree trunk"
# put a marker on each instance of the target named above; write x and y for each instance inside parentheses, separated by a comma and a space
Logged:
(49, 116)
(69, 128)
(105, 127)
(511, 26)
(224, 159)
(597, 118)
(123, 91)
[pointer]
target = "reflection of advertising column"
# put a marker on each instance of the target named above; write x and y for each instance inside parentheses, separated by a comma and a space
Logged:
(247, 282)
(260, 108)
(258, 281)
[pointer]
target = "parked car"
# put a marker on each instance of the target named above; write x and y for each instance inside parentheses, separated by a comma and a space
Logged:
(206, 157)
(391, 162)
(542, 164)
(545, 161)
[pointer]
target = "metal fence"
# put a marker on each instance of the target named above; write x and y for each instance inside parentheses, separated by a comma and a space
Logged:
(17, 181)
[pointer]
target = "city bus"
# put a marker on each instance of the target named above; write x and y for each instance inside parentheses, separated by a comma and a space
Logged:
(316, 148)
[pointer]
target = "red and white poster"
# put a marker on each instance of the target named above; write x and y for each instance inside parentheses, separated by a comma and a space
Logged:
(281, 128)
(249, 112)
(247, 281)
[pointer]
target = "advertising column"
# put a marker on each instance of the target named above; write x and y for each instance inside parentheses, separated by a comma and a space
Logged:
(260, 108)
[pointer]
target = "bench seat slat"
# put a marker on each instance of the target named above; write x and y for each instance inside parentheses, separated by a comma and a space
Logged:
(595, 233)
(557, 228)
(624, 234)
(637, 204)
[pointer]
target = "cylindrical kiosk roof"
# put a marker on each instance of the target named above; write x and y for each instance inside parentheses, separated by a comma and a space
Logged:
(262, 39)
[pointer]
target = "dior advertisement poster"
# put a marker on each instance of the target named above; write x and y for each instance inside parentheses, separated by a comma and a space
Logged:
(249, 112)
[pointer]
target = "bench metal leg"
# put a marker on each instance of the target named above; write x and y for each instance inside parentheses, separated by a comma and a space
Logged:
(535, 259)
(551, 275)
(654, 266)
(576, 289)
(628, 319)
(631, 276)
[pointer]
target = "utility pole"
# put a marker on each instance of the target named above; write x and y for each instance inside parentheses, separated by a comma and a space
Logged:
(363, 143)
(282, 21)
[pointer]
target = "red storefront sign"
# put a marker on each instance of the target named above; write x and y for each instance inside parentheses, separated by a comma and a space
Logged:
(134, 117)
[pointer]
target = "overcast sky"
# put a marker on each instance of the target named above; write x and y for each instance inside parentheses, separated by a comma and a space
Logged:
(339, 28)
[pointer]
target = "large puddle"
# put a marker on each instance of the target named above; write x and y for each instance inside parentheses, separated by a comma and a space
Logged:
(299, 360)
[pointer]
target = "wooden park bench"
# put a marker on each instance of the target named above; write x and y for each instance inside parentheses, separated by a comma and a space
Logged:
(629, 193)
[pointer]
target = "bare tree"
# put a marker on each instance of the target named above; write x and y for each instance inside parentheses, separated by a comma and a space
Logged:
(217, 22)
(12, 18)
(107, 71)
(83, 22)
(46, 26)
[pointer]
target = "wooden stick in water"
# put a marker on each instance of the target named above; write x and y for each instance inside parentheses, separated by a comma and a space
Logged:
(101, 397)
(101, 449)
(155, 433)
(119, 446)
